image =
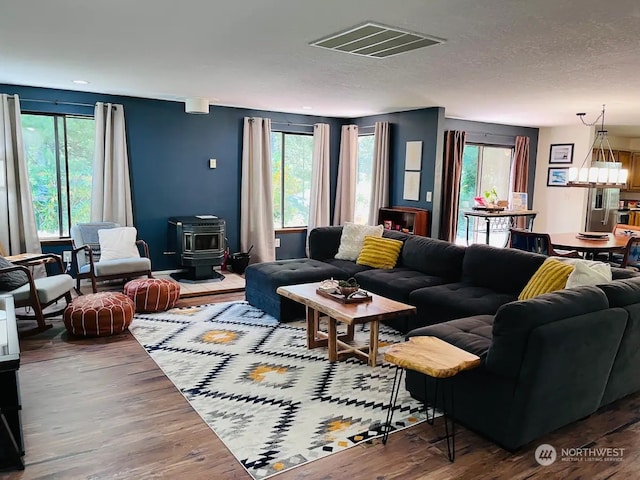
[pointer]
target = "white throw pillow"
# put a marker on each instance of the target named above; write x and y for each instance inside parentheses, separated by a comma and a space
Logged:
(589, 273)
(118, 243)
(352, 239)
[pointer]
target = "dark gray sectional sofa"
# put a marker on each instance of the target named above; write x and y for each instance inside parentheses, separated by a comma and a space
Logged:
(546, 362)
(443, 280)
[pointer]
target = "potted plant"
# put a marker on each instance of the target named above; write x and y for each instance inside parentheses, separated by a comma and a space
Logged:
(348, 287)
(491, 196)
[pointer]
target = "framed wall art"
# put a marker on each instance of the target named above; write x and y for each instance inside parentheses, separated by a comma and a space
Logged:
(561, 153)
(557, 177)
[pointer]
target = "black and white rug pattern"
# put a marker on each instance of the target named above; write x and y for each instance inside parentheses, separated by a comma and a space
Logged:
(274, 403)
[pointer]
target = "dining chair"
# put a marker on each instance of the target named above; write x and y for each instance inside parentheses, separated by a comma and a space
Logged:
(88, 264)
(18, 280)
(536, 243)
(631, 257)
(615, 259)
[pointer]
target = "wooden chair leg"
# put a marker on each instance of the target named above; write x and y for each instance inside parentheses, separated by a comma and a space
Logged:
(94, 286)
(39, 314)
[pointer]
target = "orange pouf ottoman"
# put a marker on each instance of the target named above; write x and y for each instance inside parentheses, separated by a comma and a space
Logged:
(153, 294)
(99, 314)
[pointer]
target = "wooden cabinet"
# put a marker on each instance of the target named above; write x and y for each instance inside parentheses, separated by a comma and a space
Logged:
(406, 219)
(633, 182)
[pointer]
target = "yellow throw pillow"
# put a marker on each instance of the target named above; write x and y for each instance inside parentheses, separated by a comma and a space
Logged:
(551, 276)
(379, 252)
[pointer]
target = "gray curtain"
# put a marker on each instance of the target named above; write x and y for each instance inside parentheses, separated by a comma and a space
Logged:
(454, 141)
(256, 204)
(18, 231)
(111, 187)
(319, 202)
(380, 176)
(345, 206)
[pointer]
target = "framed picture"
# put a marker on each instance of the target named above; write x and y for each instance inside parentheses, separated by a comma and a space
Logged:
(411, 186)
(413, 156)
(561, 153)
(557, 177)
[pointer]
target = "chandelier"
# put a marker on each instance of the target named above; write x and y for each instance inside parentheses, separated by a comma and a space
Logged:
(603, 171)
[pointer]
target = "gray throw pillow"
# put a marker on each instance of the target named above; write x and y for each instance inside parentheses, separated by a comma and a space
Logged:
(11, 280)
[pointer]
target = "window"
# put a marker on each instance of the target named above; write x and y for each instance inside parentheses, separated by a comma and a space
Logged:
(59, 151)
(483, 167)
(363, 182)
(291, 163)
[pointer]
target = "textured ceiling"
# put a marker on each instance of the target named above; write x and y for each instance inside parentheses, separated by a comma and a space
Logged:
(520, 62)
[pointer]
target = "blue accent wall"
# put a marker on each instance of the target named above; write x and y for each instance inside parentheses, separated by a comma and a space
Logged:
(169, 152)
(413, 125)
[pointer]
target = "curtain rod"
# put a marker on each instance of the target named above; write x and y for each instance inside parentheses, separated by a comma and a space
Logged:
(309, 125)
(55, 102)
(291, 124)
(492, 134)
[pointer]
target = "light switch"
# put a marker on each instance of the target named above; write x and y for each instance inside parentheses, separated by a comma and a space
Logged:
(213, 163)
(428, 196)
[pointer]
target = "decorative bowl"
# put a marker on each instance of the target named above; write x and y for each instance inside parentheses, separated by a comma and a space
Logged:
(346, 291)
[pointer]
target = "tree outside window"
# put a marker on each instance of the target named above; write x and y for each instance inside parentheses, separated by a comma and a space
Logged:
(291, 163)
(59, 151)
(363, 182)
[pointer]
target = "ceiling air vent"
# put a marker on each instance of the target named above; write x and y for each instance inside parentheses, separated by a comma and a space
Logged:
(375, 40)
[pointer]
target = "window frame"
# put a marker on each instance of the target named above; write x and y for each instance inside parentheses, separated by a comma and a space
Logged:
(67, 190)
(361, 135)
(282, 228)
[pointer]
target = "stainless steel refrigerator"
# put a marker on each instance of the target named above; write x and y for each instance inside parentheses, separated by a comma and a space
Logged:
(602, 211)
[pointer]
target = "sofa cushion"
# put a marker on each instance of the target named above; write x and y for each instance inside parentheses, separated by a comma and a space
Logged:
(456, 300)
(324, 242)
(621, 293)
(378, 252)
(433, 257)
(551, 276)
(263, 279)
(396, 283)
(347, 266)
(352, 239)
(515, 321)
(505, 270)
(472, 334)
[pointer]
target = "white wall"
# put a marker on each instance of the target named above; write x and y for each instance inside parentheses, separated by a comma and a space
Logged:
(560, 209)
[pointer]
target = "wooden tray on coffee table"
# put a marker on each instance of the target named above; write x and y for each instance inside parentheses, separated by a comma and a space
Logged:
(338, 297)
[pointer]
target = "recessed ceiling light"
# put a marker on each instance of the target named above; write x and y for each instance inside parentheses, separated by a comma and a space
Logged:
(306, 107)
(80, 82)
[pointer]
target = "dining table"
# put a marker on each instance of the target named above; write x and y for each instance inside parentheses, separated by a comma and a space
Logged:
(612, 243)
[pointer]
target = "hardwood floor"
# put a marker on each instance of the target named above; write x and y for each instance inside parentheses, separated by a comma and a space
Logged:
(102, 409)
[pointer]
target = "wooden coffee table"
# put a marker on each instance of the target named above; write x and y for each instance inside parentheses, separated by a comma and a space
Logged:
(351, 314)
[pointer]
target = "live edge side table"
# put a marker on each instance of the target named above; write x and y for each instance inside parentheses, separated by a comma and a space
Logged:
(435, 358)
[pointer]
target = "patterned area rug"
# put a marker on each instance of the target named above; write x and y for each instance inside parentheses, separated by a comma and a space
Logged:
(274, 403)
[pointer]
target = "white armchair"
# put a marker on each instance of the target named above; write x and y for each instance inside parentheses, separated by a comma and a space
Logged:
(36, 293)
(87, 256)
